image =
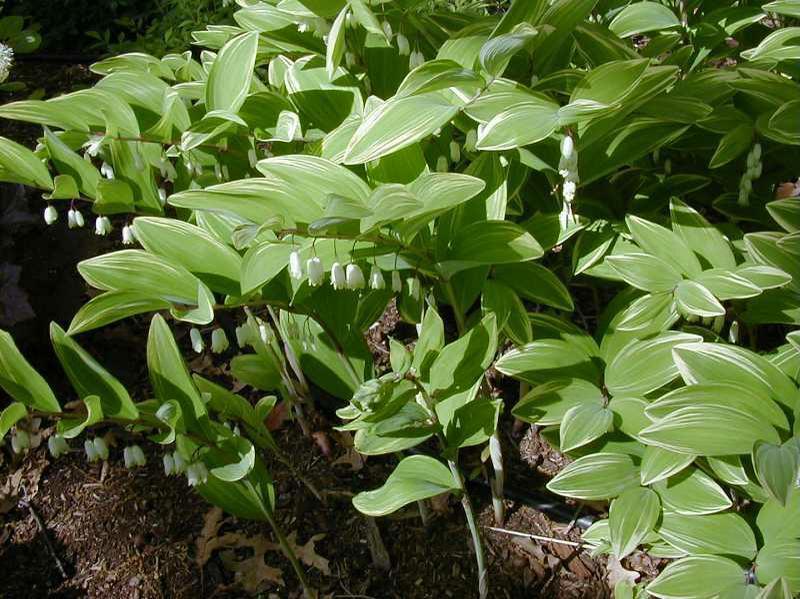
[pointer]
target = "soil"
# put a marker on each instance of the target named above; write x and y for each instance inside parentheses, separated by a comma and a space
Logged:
(138, 534)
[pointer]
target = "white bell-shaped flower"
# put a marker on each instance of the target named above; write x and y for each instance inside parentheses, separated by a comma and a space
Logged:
(128, 236)
(338, 278)
(102, 225)
(79, 220)
(442, 164)
(387, 29)
(91, 452)
(107, 170)
(128, 458)
(180, 463)
(295, 266)
(416, 59)
(402, 45)
(20, 441)
(567, 147)
(455, 151)
(219, 341)
(50, 215)
(569, 191)
(71, 219)
(316, 271)
(57, 445)
(101, 448)
(169, 464)
(397, 282)
(376, 280)
(198, 345)
(354, 276)
(243, 335)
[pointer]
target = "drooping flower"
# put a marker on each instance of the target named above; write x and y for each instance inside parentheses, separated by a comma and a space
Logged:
(50, 215)
(316, 271)
(169, 464)
(442, 164)
(20, 441)
(107, 170)
(354, 276)
(100, 448)
(455, 151)
(162, 196)
(197, 474)
(387, 29)
(338, 277)
(91, 452)
(243, 335)
(180, 463)
(402, 45)
(128, 236)
(376, 280)
(102, 226)
(198, 345)
(416, 59)
(133, 456)
(57, 445)
(295, 266)
(219, 341)
(397, 282)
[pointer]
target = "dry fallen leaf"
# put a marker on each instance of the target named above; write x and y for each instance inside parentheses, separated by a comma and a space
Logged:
(787, 190)
(308, 554)
(617, 573)
(208, 540)
(351, 457)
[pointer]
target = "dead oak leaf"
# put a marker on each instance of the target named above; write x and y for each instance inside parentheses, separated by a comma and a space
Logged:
(617, 573)
(308, 553)
(208, 540)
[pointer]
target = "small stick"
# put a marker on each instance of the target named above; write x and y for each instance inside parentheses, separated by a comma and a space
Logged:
(25, 503)
(535, 537)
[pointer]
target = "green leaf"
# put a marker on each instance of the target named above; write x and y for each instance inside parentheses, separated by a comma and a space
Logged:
(659, 463)
(694, 298)
(645, 272)
(168, 372)
(715, 534)
(473, 423)
(69, 163)
(232, 73)
(729, 469)
(366, 17)
(692, 492)
(12, 414)
(535, 283)
(461, 363)
(21, 381)
(436, 75)
(778, 588)
(256, 371)
(643, 366)
(113, 306)
(498, 51)
(243, 454)
(713, 362)
(583, 424)
(608, 84)
(697, 577)
(70, 428)
(631, 518)
(519, 125)
(781, 44)
(700, 235)
(597, 476)
(415, 478)
(88, 377)
(778, 559)
(732, 145)
(708, 430)
(397, 124)
(512, 317)
(725, 285)
(430, 343)
(790, 8)
(488, 243)
(776, 521)
(664, 244)
(776, 467)
(546, 359)
(548, 403)
(336, 42)
(642, 17)
(19, 165)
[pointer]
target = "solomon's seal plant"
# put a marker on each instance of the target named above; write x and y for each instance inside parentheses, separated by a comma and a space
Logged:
(600, 197)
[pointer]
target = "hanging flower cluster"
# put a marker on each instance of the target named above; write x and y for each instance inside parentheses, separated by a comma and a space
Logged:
(341, 277)
(133, 457)
(568, 169)
(753, 172)
(57, 445)
(96, 449)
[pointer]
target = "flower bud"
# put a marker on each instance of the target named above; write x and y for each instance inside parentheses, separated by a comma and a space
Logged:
(569, 191)
(402, 45)
(455, 151)
(219, 341)
(57, 445)
(746, 184)
(197, 474)
(338, 278)
(169, 464)
(316, 272)
(442, 164)
(295, 266)
(567, 147)
(79, 221)
(100, 448)
(355, 278)
(733, 332)
(387, 29)
(180, 463)
(471, 139)
(162, 196)
(668, 166)
(243, 335)
(376, 280)
(397, 282)
(197, 341)
(128, 236)
(107, 171)
(50, 215)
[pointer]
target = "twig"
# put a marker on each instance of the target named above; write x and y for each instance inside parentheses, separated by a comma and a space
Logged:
(25, 502)
(535, 537)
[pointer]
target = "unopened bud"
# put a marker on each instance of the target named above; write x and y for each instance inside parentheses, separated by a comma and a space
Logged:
(316, 271)
(50, 215)
(197, 341)
(219, 341)
(295, 266)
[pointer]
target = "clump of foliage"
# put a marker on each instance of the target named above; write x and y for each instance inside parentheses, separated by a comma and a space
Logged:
(322, 158)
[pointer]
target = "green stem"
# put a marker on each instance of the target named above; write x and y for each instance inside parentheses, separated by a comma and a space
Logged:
(480, 557)
(498, 482)
(308, 591)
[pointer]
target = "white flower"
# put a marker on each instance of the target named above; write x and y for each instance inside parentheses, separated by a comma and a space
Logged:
(71, 219)
(102, 226)
(196, 474)
(93, 145)
(107, 170)
(316, 272)
(6, 61)
(733, 332)
(387, 29)
(295, 266)
(402, 45)
(169, 464)
(75, 219)
(219, 341)
(243, 335)
(397, 282)
(130, 458)
(91, 452)
(354, 276)
(50, 215)
(455, 151)
(265, 333)
(338, 279)
(101, 448)
(20, 441)
(746, 184)
(197, 341)
(416, 59)
(162, 196)
(180, 463)
(567, 147)
(376, 280)
(569, 191)
(442, 164)
(57, 445)
(128, 236)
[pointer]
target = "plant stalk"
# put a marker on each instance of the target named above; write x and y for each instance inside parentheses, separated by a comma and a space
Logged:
(480, 557)
(308, 591)
(498, 482)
